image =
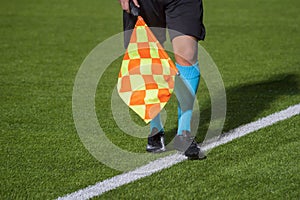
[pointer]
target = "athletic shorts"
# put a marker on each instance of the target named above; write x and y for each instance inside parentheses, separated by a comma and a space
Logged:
(185, 17)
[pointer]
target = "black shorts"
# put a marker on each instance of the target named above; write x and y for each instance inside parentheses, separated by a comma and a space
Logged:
(185, 17)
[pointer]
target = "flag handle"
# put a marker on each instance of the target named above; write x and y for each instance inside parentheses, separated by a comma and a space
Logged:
(134, 10)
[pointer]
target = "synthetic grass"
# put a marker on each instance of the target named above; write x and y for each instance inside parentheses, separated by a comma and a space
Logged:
(42, 47)
(255, 45)
(262, 165)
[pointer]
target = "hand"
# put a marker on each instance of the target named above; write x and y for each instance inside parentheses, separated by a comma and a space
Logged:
(125, 4)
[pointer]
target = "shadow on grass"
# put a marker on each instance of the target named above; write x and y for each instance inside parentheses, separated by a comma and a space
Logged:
(246, 102)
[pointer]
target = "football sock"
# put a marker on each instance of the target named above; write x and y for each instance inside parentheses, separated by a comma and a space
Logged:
(156, 123)
(190, 76)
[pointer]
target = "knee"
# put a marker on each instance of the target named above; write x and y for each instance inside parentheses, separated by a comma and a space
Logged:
(185, 50)
(186, 57)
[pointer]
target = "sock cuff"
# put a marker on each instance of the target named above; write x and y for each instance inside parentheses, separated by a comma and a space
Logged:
(189, 72)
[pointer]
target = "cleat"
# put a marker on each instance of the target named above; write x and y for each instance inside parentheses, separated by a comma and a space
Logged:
(186, 143)
(156, 141)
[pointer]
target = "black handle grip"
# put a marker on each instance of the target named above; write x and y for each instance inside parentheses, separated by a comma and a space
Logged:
(134, 10)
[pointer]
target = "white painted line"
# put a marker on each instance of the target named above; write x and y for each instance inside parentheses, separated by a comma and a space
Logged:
(251, 127)
(122, 179)
(168, 161)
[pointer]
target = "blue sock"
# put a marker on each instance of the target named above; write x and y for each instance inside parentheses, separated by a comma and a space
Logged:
(156, 123)
(191, 76)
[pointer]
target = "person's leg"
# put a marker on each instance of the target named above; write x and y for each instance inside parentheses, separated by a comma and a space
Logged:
(156, 123)
(185, 49)
(186, 52)
(184, 19)
(153, 13)
(185, 22)
(154, 16)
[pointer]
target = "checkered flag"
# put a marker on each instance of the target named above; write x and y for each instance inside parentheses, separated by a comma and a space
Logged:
(147, 76)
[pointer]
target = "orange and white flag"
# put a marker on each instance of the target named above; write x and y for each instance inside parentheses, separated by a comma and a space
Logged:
(147, 76)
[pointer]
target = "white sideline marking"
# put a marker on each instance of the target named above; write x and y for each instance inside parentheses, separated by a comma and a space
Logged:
(162, 163)
(253, 126)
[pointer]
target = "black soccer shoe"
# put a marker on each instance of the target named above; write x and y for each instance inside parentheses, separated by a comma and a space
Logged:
(186, 143)
(156, 141)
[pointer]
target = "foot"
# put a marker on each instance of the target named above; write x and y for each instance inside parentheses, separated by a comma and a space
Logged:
(188, 145)
(156, 141)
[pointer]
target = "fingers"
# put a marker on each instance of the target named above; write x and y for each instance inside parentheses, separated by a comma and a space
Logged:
(136, 3)
(125, 5)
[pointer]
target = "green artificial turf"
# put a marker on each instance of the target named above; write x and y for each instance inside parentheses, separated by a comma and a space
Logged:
(43, 44)
(263, 165)
(255, 44)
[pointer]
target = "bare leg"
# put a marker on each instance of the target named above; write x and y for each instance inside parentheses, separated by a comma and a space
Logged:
(186, 52)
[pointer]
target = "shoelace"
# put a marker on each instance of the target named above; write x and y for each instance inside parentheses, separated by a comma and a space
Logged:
(194, 143)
